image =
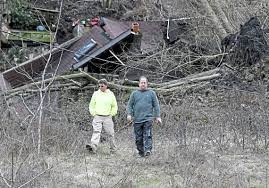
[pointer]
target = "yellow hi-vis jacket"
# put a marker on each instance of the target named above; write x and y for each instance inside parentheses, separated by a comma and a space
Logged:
(103, 103)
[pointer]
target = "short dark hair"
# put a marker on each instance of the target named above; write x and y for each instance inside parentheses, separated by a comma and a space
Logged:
(102, 81)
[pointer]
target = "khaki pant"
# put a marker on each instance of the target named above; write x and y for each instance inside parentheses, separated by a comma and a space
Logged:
(98, 123)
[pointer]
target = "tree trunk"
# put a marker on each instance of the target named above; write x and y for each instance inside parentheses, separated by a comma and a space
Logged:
(106, 3)
(218, 9)
(221, 32)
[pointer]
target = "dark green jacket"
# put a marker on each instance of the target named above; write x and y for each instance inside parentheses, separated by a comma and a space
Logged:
(143, 106)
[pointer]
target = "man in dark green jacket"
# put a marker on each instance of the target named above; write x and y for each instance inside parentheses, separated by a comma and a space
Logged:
(143, 107)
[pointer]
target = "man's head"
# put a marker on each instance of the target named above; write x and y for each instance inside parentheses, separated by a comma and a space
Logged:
(143, 83)
(102, 84)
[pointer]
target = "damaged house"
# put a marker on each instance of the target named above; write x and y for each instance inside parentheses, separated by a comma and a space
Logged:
(63, 58)
(103, 39)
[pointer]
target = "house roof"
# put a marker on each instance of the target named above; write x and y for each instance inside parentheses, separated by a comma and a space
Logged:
(31, 69)
(105, 47)
(152, 35)
(62, 57)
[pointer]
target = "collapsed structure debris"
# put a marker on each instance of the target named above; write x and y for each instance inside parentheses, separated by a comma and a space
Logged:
(247, 46)
(61, 59)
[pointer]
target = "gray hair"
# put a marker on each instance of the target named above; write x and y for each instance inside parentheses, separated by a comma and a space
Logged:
(143, 77)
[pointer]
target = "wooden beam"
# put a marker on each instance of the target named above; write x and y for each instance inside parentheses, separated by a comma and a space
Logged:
(116, 57)
(188, 81)
(45, 10)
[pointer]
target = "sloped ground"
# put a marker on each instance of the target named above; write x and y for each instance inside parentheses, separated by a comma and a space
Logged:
(212, 138)
(105, 170)
(169, 166)
(218, 140)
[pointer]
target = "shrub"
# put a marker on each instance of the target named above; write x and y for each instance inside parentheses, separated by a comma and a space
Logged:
(21, 15)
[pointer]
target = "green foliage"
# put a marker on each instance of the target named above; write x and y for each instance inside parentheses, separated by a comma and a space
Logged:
(16, 54)
(21, 15)
(13, 56)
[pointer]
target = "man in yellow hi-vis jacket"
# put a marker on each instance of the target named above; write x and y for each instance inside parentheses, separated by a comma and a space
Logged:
(103, 106)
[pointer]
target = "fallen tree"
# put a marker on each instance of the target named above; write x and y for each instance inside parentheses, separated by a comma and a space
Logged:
(75, 82)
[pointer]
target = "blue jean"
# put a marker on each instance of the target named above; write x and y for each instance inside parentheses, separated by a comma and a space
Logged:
(143, 136)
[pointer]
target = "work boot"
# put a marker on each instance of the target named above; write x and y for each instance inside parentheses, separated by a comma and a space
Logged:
(113, 151)
(147, 154)
(91, 148)
(141, 154)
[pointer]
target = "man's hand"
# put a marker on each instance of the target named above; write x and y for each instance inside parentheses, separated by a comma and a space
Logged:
(159, 120)
(129, 118)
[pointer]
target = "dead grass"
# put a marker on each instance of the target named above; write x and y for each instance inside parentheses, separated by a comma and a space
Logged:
(218, 140)
(203, 142)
